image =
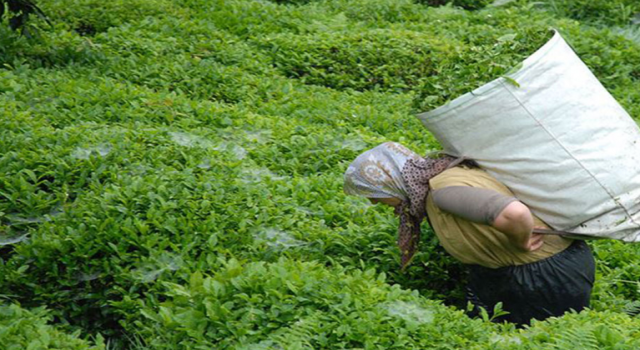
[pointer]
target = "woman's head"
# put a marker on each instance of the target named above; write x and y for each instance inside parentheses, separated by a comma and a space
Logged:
(394, 175)
(377, 173)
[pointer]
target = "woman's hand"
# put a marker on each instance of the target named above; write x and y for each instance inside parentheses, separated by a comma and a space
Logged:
(536, 240)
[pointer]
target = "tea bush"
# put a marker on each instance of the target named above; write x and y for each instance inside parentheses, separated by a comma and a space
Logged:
(374, 60)
(182, 163)
(88, 18)
(300, 305)
(293, 305)
(416, 59)
(23, 329)
(598, 12)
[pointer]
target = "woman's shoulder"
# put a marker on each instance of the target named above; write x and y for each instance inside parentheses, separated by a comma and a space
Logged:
(465, 176)
(456, 175)
(464, 170)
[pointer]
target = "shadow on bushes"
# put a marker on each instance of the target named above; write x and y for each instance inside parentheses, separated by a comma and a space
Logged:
(46, 50)
(374, 60)
(465, 4)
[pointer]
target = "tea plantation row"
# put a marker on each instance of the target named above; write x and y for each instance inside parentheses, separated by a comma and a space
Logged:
(171, 173)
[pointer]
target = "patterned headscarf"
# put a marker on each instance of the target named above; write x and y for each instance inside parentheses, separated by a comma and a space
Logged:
(392, 170)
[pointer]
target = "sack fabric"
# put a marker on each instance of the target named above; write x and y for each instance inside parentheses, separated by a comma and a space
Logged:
(556, 138)
(545, 288)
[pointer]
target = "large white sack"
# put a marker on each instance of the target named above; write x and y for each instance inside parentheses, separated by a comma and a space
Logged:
(560, 142)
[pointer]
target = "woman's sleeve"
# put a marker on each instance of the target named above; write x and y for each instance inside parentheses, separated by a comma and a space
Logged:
(479, 205)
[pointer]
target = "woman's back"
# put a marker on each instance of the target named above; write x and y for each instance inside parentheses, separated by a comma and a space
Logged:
(478, 244)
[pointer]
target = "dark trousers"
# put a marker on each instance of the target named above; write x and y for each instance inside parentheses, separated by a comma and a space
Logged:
(545, 288)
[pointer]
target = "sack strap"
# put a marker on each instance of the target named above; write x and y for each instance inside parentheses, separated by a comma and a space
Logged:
(565, 234)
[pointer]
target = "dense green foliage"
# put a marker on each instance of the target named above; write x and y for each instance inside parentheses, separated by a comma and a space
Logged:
(294, 305)
(172, 171)
(614, 12)
(16, 13)
(21, 329)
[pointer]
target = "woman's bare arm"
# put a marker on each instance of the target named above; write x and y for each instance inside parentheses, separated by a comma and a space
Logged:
(489, 207)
